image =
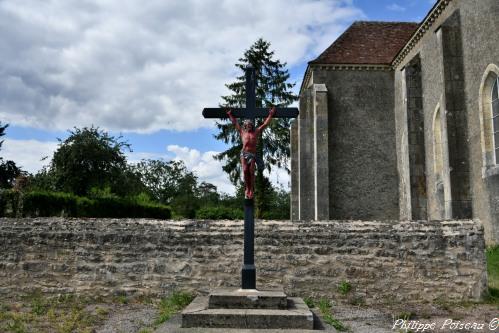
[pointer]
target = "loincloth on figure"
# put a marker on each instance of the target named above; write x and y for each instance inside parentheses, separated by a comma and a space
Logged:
(249, 157)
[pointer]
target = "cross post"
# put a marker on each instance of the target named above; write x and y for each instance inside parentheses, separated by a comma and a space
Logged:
(248, 271)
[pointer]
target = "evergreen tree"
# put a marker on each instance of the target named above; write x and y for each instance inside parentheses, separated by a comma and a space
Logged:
(272, 89)
(2, 132)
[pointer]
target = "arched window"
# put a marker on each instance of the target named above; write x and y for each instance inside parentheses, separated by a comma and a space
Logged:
(437, 144)
(495, 116)
(489, 120)
(441, 166)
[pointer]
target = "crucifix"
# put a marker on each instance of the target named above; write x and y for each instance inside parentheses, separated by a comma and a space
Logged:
(248, 272)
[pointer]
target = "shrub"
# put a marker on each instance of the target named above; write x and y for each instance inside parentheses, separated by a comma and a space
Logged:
(185, 205)
(64, 204)
(49, 204)
(9, 203)
(219, 213)
(118, 207)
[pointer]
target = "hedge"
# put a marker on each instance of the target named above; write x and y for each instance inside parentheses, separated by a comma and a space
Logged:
(49, 204)
(219, 213)
(36, 204)
(9, 203)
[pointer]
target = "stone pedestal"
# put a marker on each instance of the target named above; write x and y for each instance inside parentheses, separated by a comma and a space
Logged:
(248, 309)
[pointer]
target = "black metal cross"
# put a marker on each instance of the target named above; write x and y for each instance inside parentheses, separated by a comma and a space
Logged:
(248, 272)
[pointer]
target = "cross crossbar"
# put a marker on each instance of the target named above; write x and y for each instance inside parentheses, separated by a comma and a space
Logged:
(242, 112)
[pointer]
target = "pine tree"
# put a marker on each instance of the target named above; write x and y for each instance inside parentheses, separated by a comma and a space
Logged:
(272, 89)
(2, 131)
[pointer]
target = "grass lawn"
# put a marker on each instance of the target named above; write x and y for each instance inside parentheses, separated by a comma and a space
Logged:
(493, 271)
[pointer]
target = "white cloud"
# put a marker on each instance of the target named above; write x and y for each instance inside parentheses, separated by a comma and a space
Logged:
(396, 8)
(144, 65)
(280, 178)
(29, 155)
(204, 166)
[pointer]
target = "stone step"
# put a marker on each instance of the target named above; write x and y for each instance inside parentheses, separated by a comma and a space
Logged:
(296, 316)
(247, 299)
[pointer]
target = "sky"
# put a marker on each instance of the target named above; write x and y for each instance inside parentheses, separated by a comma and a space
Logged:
(146, 69)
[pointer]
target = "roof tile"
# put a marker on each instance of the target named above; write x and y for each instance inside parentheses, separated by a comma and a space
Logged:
(368, 43)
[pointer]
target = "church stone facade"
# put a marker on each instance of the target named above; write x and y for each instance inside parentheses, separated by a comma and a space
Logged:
(401, 121)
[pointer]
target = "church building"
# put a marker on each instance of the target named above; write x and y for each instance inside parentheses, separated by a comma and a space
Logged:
(400, 121)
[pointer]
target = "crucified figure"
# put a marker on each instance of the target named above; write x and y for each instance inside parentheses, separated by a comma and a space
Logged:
(249, 158)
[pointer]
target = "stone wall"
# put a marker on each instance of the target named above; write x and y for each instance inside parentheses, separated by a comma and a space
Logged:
(360, 151)
(383, 261)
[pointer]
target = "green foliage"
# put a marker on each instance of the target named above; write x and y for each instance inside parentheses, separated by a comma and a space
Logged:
(2, 132)
(263, 196)
(145, 330)
(278, 206)
(324, 306)
(208, 194)
(185, 204)
(493, 273)
(219, 213)
(9, 171)
(16, 324)
(39, 305)
(344, 287)
(165, 180)
(493, 296)
(310, 302)
(49, 204)
(170, 183)
(43, 180)
(173, 304)
(89, 177)
(65, 204)
(120, 208)
(336, 323)
(122, 299)
(9, 203)
(89, 158)
(143, 198)
(405, 316)
(272, 89)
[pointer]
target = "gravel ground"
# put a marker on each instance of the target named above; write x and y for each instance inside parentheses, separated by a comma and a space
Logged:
(137, 317)
(381, 320)
(128, 319)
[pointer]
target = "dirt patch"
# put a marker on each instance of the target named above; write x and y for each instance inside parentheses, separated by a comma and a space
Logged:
(441, 318)
(75, 314)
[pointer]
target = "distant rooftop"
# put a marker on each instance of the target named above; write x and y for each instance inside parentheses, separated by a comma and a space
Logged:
(370, 43)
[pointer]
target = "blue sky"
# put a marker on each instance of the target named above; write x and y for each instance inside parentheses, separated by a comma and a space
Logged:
(146, 70)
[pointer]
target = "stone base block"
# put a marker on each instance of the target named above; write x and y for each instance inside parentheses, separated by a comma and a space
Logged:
(247, 299)
(296, 316)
